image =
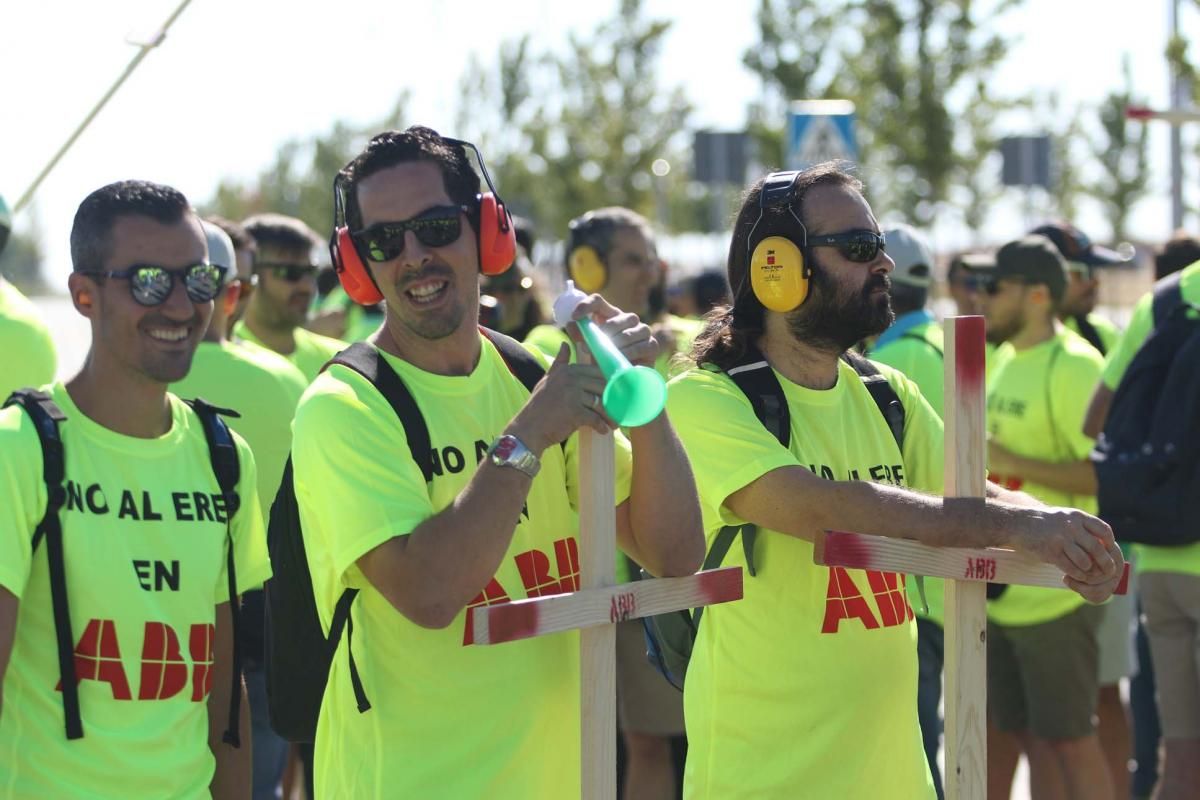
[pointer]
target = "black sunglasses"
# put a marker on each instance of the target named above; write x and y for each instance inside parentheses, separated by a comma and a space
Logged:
(991, 286)
(437, 227)
(151, 286)
(860, 246)
(287, 272)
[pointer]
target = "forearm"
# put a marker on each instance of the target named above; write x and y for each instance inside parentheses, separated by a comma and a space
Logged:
(8, 632)
(1097, 411)
(233, 778)
(1073, 477)
(997, 492)
(666, 533)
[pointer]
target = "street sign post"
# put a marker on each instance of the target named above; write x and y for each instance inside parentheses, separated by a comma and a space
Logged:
(820, 130)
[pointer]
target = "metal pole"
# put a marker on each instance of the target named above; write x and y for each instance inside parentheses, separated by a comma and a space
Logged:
(1176, 132)
(143, 50)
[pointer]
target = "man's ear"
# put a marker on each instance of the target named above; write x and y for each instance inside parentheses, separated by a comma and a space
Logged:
(229, 299)
(84, 293)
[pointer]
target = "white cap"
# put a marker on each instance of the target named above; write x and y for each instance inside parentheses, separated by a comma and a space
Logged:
(910, 250)
(220, 248)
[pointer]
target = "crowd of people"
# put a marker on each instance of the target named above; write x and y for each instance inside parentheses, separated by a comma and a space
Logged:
(417, 408)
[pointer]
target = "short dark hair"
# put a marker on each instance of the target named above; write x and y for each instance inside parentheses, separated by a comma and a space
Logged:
(597, 228)
(281, 231)
(237, 233)
(526, 234)
(1180, 251)
(418, 143)
(730, 329)
(91, 232)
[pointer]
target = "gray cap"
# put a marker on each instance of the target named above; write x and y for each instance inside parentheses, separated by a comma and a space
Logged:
(220, 248)
(1032, 259)
(910, 250)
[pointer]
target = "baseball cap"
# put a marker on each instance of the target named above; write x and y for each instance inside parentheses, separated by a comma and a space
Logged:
(1032, 259)
(1073, 245)
(220, 248)
(913, 256)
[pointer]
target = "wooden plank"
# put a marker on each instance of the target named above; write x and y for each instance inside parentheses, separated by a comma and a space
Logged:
(597, 645)
(537, 616)
(965, 617)
(996, 565)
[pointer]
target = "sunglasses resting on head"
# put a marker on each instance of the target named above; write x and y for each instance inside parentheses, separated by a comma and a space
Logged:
(151, 286)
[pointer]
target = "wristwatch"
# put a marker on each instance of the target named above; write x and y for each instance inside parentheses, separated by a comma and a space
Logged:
(509, 451)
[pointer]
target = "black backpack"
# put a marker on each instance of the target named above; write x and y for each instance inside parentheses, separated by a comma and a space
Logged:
(222, 451)
(297, 653)
(1148, 457)
(671, 636)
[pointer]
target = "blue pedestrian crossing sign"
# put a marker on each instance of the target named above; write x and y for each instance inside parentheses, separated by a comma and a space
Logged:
(820, 130)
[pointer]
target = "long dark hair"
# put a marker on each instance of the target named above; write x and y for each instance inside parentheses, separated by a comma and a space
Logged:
(731, 329)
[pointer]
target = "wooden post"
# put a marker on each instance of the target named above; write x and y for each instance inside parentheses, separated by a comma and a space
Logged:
(595, 609)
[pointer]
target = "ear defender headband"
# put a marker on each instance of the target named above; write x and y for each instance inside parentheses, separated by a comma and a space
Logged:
(779, 276)
(497, 238)
(584, 263)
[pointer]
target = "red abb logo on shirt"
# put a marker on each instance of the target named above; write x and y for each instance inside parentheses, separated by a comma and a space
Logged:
(164, 672)
(534, 569)
(844, 601)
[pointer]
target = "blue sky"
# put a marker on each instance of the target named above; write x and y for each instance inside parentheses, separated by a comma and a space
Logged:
(235, 79)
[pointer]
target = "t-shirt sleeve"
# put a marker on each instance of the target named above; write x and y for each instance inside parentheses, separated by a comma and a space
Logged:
(357, 484)
(724, 457)
(250, 559)
(1072, 386)
(924, 435)
(1140, 325)
(24, 493)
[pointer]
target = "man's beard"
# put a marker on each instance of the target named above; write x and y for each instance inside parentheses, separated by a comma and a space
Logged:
(836, 320)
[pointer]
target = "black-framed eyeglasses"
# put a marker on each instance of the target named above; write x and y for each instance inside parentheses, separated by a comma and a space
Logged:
(287, 272)
(861, 246)
(436, 227)
(151, 286)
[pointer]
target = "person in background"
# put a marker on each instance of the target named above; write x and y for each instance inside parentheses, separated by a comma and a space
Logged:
(27, 354)
(1078, 306)
(244, 250)
(1179, 251)
(285, 264)
(518, 305)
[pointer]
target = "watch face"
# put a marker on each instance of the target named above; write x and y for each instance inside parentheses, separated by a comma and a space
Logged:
(505, 447)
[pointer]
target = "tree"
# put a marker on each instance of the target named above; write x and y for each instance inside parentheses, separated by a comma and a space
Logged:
(1123, 153)
(300, 181)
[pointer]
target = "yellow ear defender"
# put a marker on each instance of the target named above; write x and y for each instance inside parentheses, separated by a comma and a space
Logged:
(778, 275)
(587, 269)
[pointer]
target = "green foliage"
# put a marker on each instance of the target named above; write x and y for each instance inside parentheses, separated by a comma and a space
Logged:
(1123, 153)
(299, 182)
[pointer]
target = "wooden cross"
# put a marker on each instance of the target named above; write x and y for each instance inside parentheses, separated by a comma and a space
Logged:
(596, 608)
(968, 570)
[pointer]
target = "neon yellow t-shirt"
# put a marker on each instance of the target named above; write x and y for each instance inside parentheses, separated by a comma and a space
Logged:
(446, 720)
(264, 388)
(27, 355)
(312, 351)
(1109, 333)
(1036, 400)
(1185, 559)
(144, 543)
(807, 687)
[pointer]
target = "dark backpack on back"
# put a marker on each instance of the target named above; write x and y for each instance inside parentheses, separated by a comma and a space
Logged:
(1148, 457)
(298, 654)
(222, 451)
(670, 637)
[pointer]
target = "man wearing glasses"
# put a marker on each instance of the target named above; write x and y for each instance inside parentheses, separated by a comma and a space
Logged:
(1043, 657)
(1082, 260)
(143, 536)
(493, 519)
(287, 283)
(807, 687)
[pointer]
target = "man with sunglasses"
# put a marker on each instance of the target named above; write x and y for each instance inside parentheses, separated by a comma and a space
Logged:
(1043, 651)
(495, 518)
(807, 686)
(27, 356)
(145, 534)
(286, 268)
(1083, 259)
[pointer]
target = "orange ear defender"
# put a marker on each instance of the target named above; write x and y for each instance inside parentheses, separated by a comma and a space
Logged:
(779, 276)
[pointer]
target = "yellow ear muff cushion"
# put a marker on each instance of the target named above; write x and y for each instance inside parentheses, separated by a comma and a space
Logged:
(777, 274)
(587, 270)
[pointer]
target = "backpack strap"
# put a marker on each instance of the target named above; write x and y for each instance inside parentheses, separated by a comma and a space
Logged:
(522, 363)
(342, 618)
(882, 393)
(754, 376)
(222, 452)
(915, 338)
(46, 416)
(1168, 295)
(1088, 331)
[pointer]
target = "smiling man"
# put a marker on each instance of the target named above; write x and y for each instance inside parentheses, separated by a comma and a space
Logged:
(145, 534)
(286, 268)
(493, 519)
(812, 677)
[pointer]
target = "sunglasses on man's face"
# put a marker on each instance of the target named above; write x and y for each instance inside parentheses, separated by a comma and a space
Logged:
(993, 286)
(860, 246)
(291, 273)
(438, 227)
(151, 286)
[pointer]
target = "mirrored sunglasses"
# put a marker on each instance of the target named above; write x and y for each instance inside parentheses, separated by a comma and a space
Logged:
(151, 286)
(860, 247)
(438, 227)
